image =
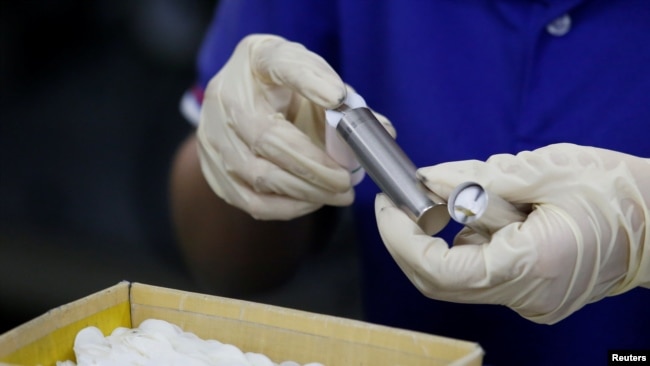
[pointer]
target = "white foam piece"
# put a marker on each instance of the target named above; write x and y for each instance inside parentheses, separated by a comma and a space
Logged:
(157, 342)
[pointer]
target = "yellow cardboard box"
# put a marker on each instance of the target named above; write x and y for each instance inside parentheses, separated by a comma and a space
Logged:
(279, 333)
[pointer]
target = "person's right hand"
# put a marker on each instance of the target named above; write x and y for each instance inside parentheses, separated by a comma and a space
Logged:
(261, 132)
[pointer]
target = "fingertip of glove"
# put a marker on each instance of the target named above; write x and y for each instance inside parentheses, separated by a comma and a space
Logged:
(330, 94)
(381, 202)
(384, 206)
(342, 199)
(427, 177)
(441, 179)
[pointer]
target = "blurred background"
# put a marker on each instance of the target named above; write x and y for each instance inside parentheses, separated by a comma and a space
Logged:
(89, 122)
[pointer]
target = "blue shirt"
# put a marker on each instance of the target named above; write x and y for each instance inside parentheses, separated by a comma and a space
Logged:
(465, 80)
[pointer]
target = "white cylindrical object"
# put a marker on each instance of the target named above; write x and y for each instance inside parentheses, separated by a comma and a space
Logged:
(336, 148)
(473, 206)
(340, 152)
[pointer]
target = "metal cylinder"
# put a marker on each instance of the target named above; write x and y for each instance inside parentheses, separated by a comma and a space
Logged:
(484, 212)
(391, 169)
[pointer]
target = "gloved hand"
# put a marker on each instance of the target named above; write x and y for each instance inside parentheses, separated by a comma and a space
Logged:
(586, 238)
(262, 127)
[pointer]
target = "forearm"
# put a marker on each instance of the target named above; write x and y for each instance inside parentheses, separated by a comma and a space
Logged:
(225, 248)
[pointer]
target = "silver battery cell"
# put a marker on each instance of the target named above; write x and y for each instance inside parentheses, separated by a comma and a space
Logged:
(390, 168)
(472, 205)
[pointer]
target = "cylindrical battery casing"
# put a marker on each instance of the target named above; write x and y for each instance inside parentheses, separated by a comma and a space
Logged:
(391, 169)
(486, 213)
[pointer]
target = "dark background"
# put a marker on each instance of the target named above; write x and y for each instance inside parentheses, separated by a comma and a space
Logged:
(89, 122)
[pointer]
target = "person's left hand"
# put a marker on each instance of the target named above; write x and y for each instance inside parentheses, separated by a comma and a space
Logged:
(586, 238)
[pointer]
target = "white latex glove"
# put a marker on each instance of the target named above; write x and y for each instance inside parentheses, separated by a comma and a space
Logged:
(586, 238)
(262, 129)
